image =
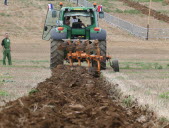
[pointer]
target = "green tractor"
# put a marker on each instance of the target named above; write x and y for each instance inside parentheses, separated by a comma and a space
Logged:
(70, 24)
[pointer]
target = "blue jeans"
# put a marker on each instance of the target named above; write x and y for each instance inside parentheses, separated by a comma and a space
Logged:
(5, 2)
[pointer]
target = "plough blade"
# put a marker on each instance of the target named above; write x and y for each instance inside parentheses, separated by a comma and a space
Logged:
(87, 50)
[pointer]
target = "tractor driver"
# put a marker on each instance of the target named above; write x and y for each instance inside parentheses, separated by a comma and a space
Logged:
(77, 23)
(74, 20)
(81, 24)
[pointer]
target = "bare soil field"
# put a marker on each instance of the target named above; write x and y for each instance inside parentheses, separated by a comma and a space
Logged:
(72, 98)
(128, 13)
(30, 65)
(145, 10)
(30, 54)
(143, 69)
(158, 6)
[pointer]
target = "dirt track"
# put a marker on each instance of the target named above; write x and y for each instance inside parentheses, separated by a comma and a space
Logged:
(145, 10)
(72, 98)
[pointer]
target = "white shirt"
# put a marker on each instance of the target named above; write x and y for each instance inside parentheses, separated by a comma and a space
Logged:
(74, 20)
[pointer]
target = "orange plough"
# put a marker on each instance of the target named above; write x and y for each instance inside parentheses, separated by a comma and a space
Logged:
(84, 50)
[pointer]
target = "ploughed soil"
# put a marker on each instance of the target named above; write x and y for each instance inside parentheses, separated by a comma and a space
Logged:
(72, 98)
(145, 10)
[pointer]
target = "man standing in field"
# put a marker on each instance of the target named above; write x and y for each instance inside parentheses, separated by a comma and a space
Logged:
(6, 45)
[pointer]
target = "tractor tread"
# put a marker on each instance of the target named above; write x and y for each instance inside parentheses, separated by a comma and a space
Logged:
(57, 56)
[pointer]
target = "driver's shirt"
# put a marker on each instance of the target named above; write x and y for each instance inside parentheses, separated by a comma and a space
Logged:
(6, 43)
(74, 20)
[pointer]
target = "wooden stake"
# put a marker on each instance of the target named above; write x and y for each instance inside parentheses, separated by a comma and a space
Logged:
(148, 20)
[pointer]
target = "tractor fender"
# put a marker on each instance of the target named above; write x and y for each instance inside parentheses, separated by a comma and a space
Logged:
(56, 35)
(98, 36)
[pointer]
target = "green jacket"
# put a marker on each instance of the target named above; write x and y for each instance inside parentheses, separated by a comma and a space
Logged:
(6, 43)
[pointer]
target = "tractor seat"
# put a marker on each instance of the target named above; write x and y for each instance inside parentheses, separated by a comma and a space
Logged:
(76, 25)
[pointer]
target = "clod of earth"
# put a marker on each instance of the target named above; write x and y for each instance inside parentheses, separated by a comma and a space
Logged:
(72, 98)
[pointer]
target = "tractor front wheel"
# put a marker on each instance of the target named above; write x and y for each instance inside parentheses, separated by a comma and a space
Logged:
(56, 56)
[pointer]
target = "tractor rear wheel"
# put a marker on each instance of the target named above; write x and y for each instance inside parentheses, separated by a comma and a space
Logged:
(56, 56)
(102, 45)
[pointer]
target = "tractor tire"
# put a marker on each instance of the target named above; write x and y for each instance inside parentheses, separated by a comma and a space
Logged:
(56, 56)
(102, 45)
(115, 65)
(98, 36)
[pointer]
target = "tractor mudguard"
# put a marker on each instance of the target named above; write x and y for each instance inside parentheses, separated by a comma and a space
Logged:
(58, 35)
(99, 35)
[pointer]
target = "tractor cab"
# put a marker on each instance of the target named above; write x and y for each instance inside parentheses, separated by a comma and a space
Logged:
(72, 22)
(78, 21)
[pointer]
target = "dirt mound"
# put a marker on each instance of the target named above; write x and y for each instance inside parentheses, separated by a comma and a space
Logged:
(72, 98)
(145, 10)
(166, 1)
(166, 126)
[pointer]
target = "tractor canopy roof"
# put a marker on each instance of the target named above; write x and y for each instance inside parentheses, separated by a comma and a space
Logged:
(85, 14)
(77, 8)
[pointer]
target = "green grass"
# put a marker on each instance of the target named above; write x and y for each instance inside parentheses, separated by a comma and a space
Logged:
(130, 11)
(1, 83)
(117, 10)
(1, 77)
(127, 101)
(24, 66)
(69, 5)
(164, 11)
(148, 0)
(127, 66)
(163, 120)
(27, 61)
(3, 93)
(164, 95)
(4, 14)
(120, 78)
(40, 61)
(143, 65)
(148, 92)
(107, 4)
(7, 81)
(158, 66)
(33, 91)
(107, 10)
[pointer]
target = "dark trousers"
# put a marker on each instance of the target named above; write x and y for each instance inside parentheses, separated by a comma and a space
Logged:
(5, 2)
